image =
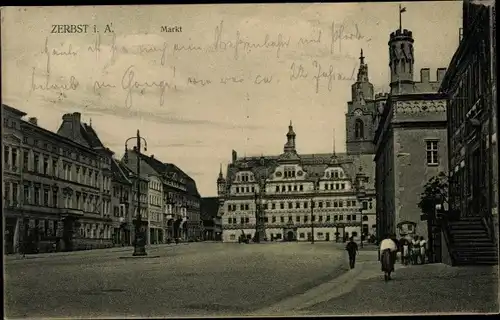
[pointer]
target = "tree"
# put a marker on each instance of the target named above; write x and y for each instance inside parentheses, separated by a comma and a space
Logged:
(435, 192)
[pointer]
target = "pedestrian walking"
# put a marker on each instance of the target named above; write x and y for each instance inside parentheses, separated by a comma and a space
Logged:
(415, 250)
(423, 249)
(387, 249)
(352, 250)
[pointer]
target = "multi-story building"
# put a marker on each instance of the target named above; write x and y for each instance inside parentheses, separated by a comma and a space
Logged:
(212, 223)
(59, 197)
(185, 203)
(175, 189)
(178, 214)
(121, 199)
(138, 198)
(410, 140)
(12, 141)
(330, 196)
(470, 86)
(94, 234)
(155, 210)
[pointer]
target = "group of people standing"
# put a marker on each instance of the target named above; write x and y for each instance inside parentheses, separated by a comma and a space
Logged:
(412, 251)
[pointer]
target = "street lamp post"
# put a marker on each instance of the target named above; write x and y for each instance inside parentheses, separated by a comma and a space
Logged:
(139, 243)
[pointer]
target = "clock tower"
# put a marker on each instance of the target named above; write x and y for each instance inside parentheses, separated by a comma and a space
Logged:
(360, 116)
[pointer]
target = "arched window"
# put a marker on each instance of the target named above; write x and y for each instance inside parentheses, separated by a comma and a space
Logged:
(359, 129)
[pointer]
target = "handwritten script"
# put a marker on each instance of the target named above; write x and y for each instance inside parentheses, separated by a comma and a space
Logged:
(167, 66)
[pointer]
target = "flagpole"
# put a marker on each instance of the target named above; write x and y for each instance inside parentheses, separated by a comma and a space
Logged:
(400, 27)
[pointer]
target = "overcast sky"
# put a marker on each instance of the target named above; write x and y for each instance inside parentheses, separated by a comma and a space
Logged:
(179, 104)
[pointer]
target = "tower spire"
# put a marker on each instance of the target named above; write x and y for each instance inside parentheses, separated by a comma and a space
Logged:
(361, 58)
(290, 139)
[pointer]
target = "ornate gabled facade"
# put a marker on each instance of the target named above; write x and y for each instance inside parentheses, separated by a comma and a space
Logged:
(302, 195)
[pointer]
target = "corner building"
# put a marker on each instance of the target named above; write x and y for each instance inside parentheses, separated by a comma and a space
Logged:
(307, 194)
(410, 140)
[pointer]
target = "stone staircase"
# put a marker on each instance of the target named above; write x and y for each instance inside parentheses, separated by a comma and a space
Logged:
(470, 242)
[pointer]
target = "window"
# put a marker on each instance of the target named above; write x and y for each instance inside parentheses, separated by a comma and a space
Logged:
(37, 195)
(306, 218)
(359, 129)
(354, 234)
(26, 160)
(297, 218)
(6, 154)
(274, 219)
(302, 235)
(14, 157)
(320, 218)
(37, 162)
(305, 205)
(327, 218)
(273, 206)
(290, 205)
(282, 219)
(46, 197)
(297, 205)
(27, 194)
(432, 152)
(247, 220)
(301, 188)
(282, 205)
(232, 237)
(365, 218)
(277, 188)
(45, 165)
(365, 205)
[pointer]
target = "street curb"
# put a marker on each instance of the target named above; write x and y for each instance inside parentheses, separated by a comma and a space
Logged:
(139, 257)
(83, 253)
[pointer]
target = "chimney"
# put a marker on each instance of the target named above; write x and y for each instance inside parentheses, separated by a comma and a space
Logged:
(440, 74)
(33, 121)
(425, 75)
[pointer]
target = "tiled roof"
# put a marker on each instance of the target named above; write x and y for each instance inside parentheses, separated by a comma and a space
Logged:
(119, 174)
(91, 136)
(314, 164)
(190, 183)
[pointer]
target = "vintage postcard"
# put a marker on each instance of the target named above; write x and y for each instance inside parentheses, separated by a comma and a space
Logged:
(233, 160)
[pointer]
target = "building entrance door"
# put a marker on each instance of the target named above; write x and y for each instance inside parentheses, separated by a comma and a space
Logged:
(289, 236)
(327, 236)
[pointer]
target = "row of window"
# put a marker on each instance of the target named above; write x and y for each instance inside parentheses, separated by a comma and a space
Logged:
(302, 235)
(305, 218)
(155, 185)
(54, 149)
(47, 196)
(155, 200)
(303, 205)
(48, 165)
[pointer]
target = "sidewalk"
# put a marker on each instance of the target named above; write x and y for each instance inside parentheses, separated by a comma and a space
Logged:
(432, 288)
(14, 257)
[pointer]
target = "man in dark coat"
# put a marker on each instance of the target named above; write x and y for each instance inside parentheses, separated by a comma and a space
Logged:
(352, 250)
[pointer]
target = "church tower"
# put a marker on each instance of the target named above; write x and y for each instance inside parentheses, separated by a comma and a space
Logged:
(221, 184)
(401, 61)
(361, 113)
(290, 140)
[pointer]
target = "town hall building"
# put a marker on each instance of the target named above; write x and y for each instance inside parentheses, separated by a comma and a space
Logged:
(307, 197)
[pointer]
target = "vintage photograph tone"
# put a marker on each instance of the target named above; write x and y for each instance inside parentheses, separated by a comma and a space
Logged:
(232, 160)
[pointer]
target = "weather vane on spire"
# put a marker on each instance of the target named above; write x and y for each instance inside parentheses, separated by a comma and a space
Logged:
(401, 10)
